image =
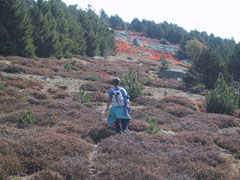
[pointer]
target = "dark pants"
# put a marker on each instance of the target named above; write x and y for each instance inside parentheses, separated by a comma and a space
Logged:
(122, 125)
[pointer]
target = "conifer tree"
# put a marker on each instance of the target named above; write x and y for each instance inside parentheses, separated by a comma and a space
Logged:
(15, 29)
(89, 35)
(234, 63)
(46, 38)
(76, 32)
(223, 99)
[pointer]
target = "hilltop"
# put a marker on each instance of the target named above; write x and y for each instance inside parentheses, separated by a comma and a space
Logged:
(69, 138)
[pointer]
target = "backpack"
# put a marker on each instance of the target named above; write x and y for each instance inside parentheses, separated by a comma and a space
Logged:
(117, 98)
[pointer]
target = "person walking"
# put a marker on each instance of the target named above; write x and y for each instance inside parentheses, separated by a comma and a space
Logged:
(119, 112)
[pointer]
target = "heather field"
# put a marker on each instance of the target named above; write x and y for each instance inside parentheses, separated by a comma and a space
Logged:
(53, 126)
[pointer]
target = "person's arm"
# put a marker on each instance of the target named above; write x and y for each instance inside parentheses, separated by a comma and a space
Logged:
(108, 103)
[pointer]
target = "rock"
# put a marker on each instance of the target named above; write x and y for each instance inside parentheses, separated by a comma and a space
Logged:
(137, 42)
(226, 151)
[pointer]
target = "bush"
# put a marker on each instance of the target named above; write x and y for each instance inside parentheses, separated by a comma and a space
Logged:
(164, 66)
(132, 83)
(69, 66)
(29, 117)
(82, 96)
(1, 86)
(47, 175)
(198, 88)
(152, 129)
(223, 99)
(93, 77)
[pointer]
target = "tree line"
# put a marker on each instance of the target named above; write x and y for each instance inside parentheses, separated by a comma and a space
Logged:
(43, 28)
(173, 34)
(215, 61)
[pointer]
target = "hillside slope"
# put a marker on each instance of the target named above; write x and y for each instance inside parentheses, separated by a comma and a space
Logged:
(71, 139)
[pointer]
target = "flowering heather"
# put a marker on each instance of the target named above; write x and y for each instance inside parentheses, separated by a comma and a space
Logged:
(70, 139)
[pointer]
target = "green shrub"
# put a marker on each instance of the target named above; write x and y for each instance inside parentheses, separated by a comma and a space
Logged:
(69, 66)
(152, 128)
(93, 77)
(132, 83)
(1, 86)
(198, 88)
(164, 66)
(165, 93)
(29, 117)
(82, 96)
(223, 99)
(149, 81)
(151, 120)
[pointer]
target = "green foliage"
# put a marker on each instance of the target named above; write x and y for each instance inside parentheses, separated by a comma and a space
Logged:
(164, 66)
(198, 88)
(152, 128)
(29, 117)
(15, 29)
(205, 69)
(149, 81)
(193, 48)
(116, 22)
(224, 47)
(151, 120)
(165, 93)
(234, 63)
(93, 77)
(1, 86)
(82, 96)
(51, 28)
(132, 82)
(170, 32)
(223, 99)
(69, 66)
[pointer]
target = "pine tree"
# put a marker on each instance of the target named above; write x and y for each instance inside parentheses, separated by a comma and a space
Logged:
(209, 65)
(223, 99)
(89, 35)
(46, 38)
(15, 29)
(76, 32)
(234, 63)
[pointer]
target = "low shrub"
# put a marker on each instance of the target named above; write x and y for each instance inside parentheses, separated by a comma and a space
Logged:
(230, 142)
(176, 110)
(221, 121)
(28, 118)
(82, 96)
(69, 66)
(168, 83)
(178, 100)
(191, 125)
(93, 77)
(142, 156)
(198, 88)
(10, 164)
(99, 133)
(46, 174)
(1, 86)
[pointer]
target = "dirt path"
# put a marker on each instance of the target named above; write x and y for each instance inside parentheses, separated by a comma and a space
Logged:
(93, 172)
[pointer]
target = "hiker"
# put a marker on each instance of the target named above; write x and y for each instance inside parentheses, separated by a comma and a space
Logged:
(119, 112)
